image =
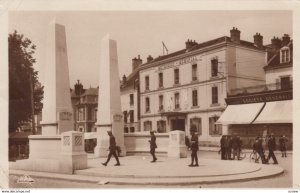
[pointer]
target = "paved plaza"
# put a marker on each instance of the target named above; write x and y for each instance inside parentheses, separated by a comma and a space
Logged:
(137, 171)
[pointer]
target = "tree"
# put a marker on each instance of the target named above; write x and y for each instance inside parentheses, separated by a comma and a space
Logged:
(25, 91)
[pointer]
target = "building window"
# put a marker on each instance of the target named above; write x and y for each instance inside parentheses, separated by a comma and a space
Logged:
(147, 104)
(214, 129)
(161, 126)
(194, 72)
(177, 104)
(214, 94)
(131, 129)
(131, 113)
(176, 76)
(147, 83)
(125, 129)
(81, 114)
(161, 102)
(214, 67)
(196, 125)
(285, 83)
(125, 116)
(285, 55)
(147, 126)
(160, 80)
(195, 98)
(89, 114)
(131, 101)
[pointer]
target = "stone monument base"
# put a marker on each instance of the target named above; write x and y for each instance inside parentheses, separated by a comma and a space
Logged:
(57, 154)
(177, 147)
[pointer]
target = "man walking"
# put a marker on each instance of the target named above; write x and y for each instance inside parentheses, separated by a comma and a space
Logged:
(257, 146)
(282, 142)
(153, 146)
(272, 146)
(112, 149)
(194, 148)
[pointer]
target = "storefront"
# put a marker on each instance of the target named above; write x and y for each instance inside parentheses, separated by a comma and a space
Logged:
(271, 114)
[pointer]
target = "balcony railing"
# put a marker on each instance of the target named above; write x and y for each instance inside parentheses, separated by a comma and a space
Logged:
(262, 88)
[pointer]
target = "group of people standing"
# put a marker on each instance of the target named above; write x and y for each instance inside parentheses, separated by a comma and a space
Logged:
(230, 147)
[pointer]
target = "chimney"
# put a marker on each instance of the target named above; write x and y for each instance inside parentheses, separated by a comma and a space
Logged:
(285, 40)
(124, 79)
(276, 43)
(136, 62)
(190, 43)
(149, 58)
(78, 88)
(235, 35)
(258, 40)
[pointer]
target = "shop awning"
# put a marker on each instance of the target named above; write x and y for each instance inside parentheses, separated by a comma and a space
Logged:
(90, 135)
(240, 114)
(276, 112)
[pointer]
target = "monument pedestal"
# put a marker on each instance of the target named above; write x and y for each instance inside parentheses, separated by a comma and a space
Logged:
(72, 156)
(177, 147)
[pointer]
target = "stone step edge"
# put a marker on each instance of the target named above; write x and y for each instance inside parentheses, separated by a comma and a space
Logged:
(124, 181)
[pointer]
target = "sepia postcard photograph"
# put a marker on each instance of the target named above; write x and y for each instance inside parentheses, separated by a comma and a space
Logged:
(159, 95)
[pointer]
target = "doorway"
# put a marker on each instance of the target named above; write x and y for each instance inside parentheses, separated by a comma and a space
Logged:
(178, 124)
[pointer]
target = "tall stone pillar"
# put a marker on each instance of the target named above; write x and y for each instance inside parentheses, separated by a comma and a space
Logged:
(109, 114)
(57, 113)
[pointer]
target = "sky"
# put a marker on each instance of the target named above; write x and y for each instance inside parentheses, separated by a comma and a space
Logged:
(139, 33)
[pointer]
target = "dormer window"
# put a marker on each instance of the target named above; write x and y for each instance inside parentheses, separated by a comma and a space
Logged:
(285, 55)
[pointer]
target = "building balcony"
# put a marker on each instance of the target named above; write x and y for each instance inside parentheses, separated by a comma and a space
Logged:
(262, 88)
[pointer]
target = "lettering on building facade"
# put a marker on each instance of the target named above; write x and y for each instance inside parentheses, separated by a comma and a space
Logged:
(261, 98)
(187, 60)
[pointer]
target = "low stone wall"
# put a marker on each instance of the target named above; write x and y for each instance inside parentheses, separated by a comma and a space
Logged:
(138, 143)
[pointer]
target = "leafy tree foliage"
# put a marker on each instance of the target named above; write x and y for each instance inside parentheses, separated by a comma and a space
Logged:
(22, 80)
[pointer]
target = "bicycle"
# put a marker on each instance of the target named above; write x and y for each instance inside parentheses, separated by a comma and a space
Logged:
(242, 154)
(254, 157)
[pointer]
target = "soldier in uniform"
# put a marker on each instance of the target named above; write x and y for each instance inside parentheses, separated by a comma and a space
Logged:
(112, 149)
(153, 146)
(282, 142)
(257, 146)
(272, 146)
(194, 147)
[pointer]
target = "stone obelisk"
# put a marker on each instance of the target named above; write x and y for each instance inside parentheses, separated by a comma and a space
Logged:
(57, 110)
(59, 149)
(109, 114)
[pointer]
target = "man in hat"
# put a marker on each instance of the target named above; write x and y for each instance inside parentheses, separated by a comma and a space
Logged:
(272, 146)
(194, 147)
(282, 142)
(153, 146)
(112, 149)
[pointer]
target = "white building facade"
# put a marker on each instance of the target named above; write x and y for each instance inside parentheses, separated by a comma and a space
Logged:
(186, 90)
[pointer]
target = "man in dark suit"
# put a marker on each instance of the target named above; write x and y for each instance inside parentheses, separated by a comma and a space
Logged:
(223, 150)
(153, 146)
(194, 147)
(282, 142)
(272, 146)
(112, 149)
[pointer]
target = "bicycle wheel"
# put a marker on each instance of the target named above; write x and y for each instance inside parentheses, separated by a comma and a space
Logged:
(253, 157)
(242, 155)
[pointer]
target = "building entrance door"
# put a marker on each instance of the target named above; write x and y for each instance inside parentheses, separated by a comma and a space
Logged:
(178, 124)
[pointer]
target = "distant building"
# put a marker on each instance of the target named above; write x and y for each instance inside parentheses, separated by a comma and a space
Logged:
(130, 98)
(85, 104)
(269, 106)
